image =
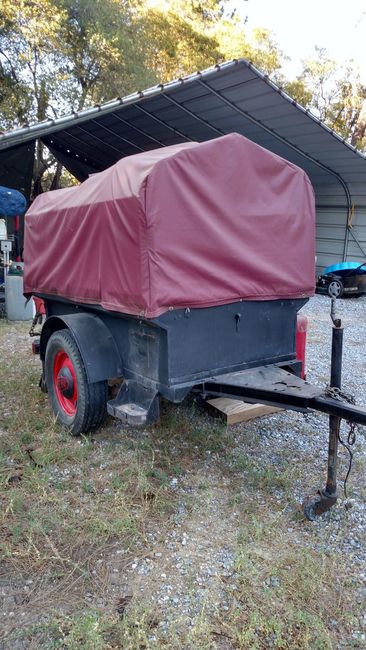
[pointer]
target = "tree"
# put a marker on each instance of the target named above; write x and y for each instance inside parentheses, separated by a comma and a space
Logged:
(177, 36)
(28, 56)
(60, 55)
(182, 36)
(101, 49)
(30, 62)
(333, 93)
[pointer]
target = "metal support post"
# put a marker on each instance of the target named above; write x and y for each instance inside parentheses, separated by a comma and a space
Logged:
(334, 421)
(325, 499)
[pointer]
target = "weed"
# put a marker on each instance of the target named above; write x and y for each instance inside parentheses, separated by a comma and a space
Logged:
(117, 482)
(88, 487)
(160, 475)
(84, 633)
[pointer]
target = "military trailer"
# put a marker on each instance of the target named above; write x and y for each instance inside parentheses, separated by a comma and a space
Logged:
(178, 269)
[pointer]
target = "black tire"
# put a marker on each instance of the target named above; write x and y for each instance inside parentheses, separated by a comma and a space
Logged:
(335, 288)
(88, 408)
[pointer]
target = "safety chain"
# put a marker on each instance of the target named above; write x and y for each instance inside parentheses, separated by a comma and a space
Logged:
(342, 396)
(37, 320)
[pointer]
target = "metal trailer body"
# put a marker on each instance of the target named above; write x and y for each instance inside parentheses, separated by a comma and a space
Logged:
(174, 352)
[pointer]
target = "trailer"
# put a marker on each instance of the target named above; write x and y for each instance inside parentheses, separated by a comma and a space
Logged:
(176, 270)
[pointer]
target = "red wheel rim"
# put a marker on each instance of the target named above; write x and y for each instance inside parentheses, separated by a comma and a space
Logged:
(64, 381)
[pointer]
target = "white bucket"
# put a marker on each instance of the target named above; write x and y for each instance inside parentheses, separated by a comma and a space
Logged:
(15, 303)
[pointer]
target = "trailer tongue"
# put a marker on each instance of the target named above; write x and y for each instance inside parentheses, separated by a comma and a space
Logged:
(276, 387)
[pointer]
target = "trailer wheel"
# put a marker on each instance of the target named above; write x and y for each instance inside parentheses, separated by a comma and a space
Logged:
(77, 404)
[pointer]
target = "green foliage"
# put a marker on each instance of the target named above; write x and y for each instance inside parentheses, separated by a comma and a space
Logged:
(85, 633)
(29, 56)
(335, 94)
(101, 49)
(175, 45)
(182, 36)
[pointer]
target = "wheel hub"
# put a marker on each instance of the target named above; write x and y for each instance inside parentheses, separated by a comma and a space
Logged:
(65, 382)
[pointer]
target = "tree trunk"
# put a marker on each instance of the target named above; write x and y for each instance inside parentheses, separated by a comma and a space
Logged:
(55, 185)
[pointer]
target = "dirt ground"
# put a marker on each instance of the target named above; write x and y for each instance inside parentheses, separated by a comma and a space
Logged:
(186, 534)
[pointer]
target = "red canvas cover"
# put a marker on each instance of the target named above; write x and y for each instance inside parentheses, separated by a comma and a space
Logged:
(192, 225)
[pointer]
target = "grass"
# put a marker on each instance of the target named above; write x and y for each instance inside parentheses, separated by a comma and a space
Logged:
(71, 506)
(262, 478)
(280, 590)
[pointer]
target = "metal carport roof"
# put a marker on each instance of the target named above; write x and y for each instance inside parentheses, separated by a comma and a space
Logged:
(233, 96)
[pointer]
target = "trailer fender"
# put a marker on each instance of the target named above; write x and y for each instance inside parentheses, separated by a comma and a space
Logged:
(97, 346)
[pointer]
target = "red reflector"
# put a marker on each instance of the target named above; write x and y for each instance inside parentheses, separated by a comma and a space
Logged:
(301, 331)
(35, 347)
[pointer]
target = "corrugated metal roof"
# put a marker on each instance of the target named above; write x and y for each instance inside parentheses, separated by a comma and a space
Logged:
(233, 96)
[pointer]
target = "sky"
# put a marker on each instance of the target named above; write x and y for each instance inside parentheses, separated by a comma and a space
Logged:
(337, 25)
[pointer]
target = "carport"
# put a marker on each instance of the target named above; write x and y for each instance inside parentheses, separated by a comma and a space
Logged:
(229, 97)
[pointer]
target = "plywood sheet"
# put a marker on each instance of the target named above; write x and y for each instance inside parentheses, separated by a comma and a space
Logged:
(234, 410)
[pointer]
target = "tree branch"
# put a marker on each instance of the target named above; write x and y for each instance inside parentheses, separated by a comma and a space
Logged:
(15, 76)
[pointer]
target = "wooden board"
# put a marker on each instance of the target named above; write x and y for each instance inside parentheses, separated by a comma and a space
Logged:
(235, 410)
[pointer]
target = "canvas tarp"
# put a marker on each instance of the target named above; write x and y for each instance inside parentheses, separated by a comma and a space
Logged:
(192, 225)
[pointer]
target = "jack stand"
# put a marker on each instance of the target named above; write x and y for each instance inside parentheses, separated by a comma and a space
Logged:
(316, 505)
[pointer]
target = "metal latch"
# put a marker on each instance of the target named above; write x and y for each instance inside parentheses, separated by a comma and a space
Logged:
(237, 321)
